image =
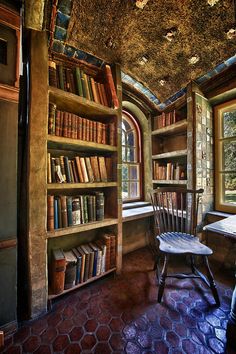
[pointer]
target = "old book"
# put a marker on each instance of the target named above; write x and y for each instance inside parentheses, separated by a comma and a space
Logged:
(89, 169)
(87, 262)
(71, 172)
(79, 169)
(84, 169)
(100, 94)
(63, 168)
(70, 273)
(94, 89)
(83, 258)
(112, 251)
(102, 168)
(78, 81)
(59, 212)
(56, 225)
(53, 170)
(90, 87)
(51, 118)
(57, 123)
(81, 208)
(104, 94)
(85, 208)
(106, 239)
(69, 128)
(111, 134)
(95, 168)
(58, 267)
(78, 265)
(84, 85)
(58, 172)
(69, 211)
(49, 170)
(67, 170)
(91, 260)
(64, 211)
(76, 211)
(50, 212)
(95, 250)
(109, 168)
(74, 169)
(52, 73)
(91, 216)
(111, 86)
(101, 244)
(65, 125)
(80, 129)
(99, 206)
(61, 76)
(99, 132)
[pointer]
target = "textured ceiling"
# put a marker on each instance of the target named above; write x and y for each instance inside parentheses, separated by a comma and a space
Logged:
(119, 31)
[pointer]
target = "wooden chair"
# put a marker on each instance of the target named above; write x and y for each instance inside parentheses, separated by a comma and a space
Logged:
(175, 215)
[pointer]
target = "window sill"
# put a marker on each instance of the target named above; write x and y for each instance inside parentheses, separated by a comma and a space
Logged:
(137, 210)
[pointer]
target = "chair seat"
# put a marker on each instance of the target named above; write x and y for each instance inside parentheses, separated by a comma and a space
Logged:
(179, 243)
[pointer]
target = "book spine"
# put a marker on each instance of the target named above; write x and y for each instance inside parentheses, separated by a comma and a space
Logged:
(99, 206)
(111, 86)
(69, 211)
(76, 212)
(50, 214)
(64, 211)
(79, 87)
(56, 226)
(58, 267)
(52, 73)
(49, 168)
(51, 118)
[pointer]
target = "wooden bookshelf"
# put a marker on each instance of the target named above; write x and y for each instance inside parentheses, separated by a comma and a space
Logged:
(90, 280)
(172, 154)
(174, 128)
(68, 186)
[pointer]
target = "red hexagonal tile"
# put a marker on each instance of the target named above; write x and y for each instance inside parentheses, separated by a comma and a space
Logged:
(93, 311)
(54, 319)
(102, 348)
(16, 349)
(31, 344)
(80, 318)
(49, 335)
(76, 334)
(116, 341)
(60, 343)
(91, 325)
(88, 342)
(73, 348)
(39, 326)
(21, 335)
(103, 333)
(68, 312)
(104, 317)
(116, 325)
(65, 326)
(43, 349)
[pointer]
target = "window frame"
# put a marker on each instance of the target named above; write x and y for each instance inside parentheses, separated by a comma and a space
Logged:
(139, 156)
(220, 205)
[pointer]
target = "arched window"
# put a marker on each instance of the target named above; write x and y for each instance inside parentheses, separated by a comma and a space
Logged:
(131, 158)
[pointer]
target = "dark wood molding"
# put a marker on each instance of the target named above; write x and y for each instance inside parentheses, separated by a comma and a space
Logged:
(8, 243)
(9, 93)
(9, 329)
(9, 17)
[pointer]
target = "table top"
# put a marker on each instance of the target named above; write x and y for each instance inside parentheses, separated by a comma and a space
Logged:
(226, 226)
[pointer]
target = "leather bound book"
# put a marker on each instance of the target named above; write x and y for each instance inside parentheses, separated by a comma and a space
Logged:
(64, 211)
(63, 168)
(61, 76)
(99, 206)
(71, 172)
(53, 170)
(104, 134)
(94, 89)
(49, 168)
(104, 95)
(73, 126)
(95, 168)
(95, 124)
(81, 201)
(102, 168)
(85, 208)
(50, 212)
(84, 169)
(95, 250)
(69, 211)
(52, 73)
(80, 128)
(90, 130)
(84, 85)
(89, 169)
(74, 170)
(111, 86)
(113, 251)
(102, 246)
(111, 134)
(90, 87)
(57, 123)
(91, 260)
(78, 264)
(83, 258)
(65, 129)
(84, 121)
(59, 212)
(51, 118)
(79, 169)
(107, 241)
(100, 93)
(67, 169)
(56, 225)
(69, 129)
(109, 167)
(70, 273)
(87, 262)
(78, 82)
(58, 267)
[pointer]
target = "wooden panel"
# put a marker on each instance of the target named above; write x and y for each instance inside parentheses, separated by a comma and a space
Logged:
(176, 128)
(171, 154)
(8, 243)
(8, 168)
(65, 186)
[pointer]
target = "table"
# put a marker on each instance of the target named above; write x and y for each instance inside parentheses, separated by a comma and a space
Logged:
(227, 228)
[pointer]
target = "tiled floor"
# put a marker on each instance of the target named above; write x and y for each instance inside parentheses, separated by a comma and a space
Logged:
(120, 315)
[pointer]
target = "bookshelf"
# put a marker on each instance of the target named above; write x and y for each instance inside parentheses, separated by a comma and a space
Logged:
(169, 145)
(49, 226)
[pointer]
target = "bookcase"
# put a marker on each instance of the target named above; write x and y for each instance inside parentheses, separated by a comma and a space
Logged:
(169, 145)
(54, 191)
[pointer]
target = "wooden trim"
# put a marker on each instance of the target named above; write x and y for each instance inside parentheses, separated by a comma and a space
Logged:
(9, 93)
(180, 126)
(8, 243)
(219, 204)
(9, 329)
(9, 17)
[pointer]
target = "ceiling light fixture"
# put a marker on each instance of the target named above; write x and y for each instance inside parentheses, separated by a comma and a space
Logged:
(141, 3)
(194, 59)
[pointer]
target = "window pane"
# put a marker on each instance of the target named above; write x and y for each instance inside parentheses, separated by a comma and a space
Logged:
(124, 172)
(125, 194)
(134, 172)
(123, 138)
(130, 141)
(229, 183)
(123, 153)
(229, 124)
(134, 188)
(131, 155)
(126, 124)
(229, 156)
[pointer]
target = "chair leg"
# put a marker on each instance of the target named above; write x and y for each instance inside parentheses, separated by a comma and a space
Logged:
(162, 279)
(211, 281)
(192, 264)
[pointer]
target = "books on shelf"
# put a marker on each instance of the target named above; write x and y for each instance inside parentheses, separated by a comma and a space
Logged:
(76, 266)
(65, 211)
(80, 169)
(69, 125)
(76, 80)
(165, 119)
(169, 171)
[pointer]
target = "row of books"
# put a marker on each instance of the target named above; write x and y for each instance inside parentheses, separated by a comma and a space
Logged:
(169, 171)
(76, 266)
(65, 211)
(77, 81)
(72, 126)
(166, 119)
(79, 170)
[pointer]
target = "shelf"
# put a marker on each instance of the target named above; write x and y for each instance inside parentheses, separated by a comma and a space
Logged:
(53, 296)
(81, 228)
(177, 127)
(75, 104)
(59, 142)
(64, 186)
(164, 181)
(171, 154)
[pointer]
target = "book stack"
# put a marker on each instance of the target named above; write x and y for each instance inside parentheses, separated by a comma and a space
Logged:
(65, 211)
(76, 80)
(81, 169)
(76, 266)
(165, 119)
(169, 171)
(70, 125)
